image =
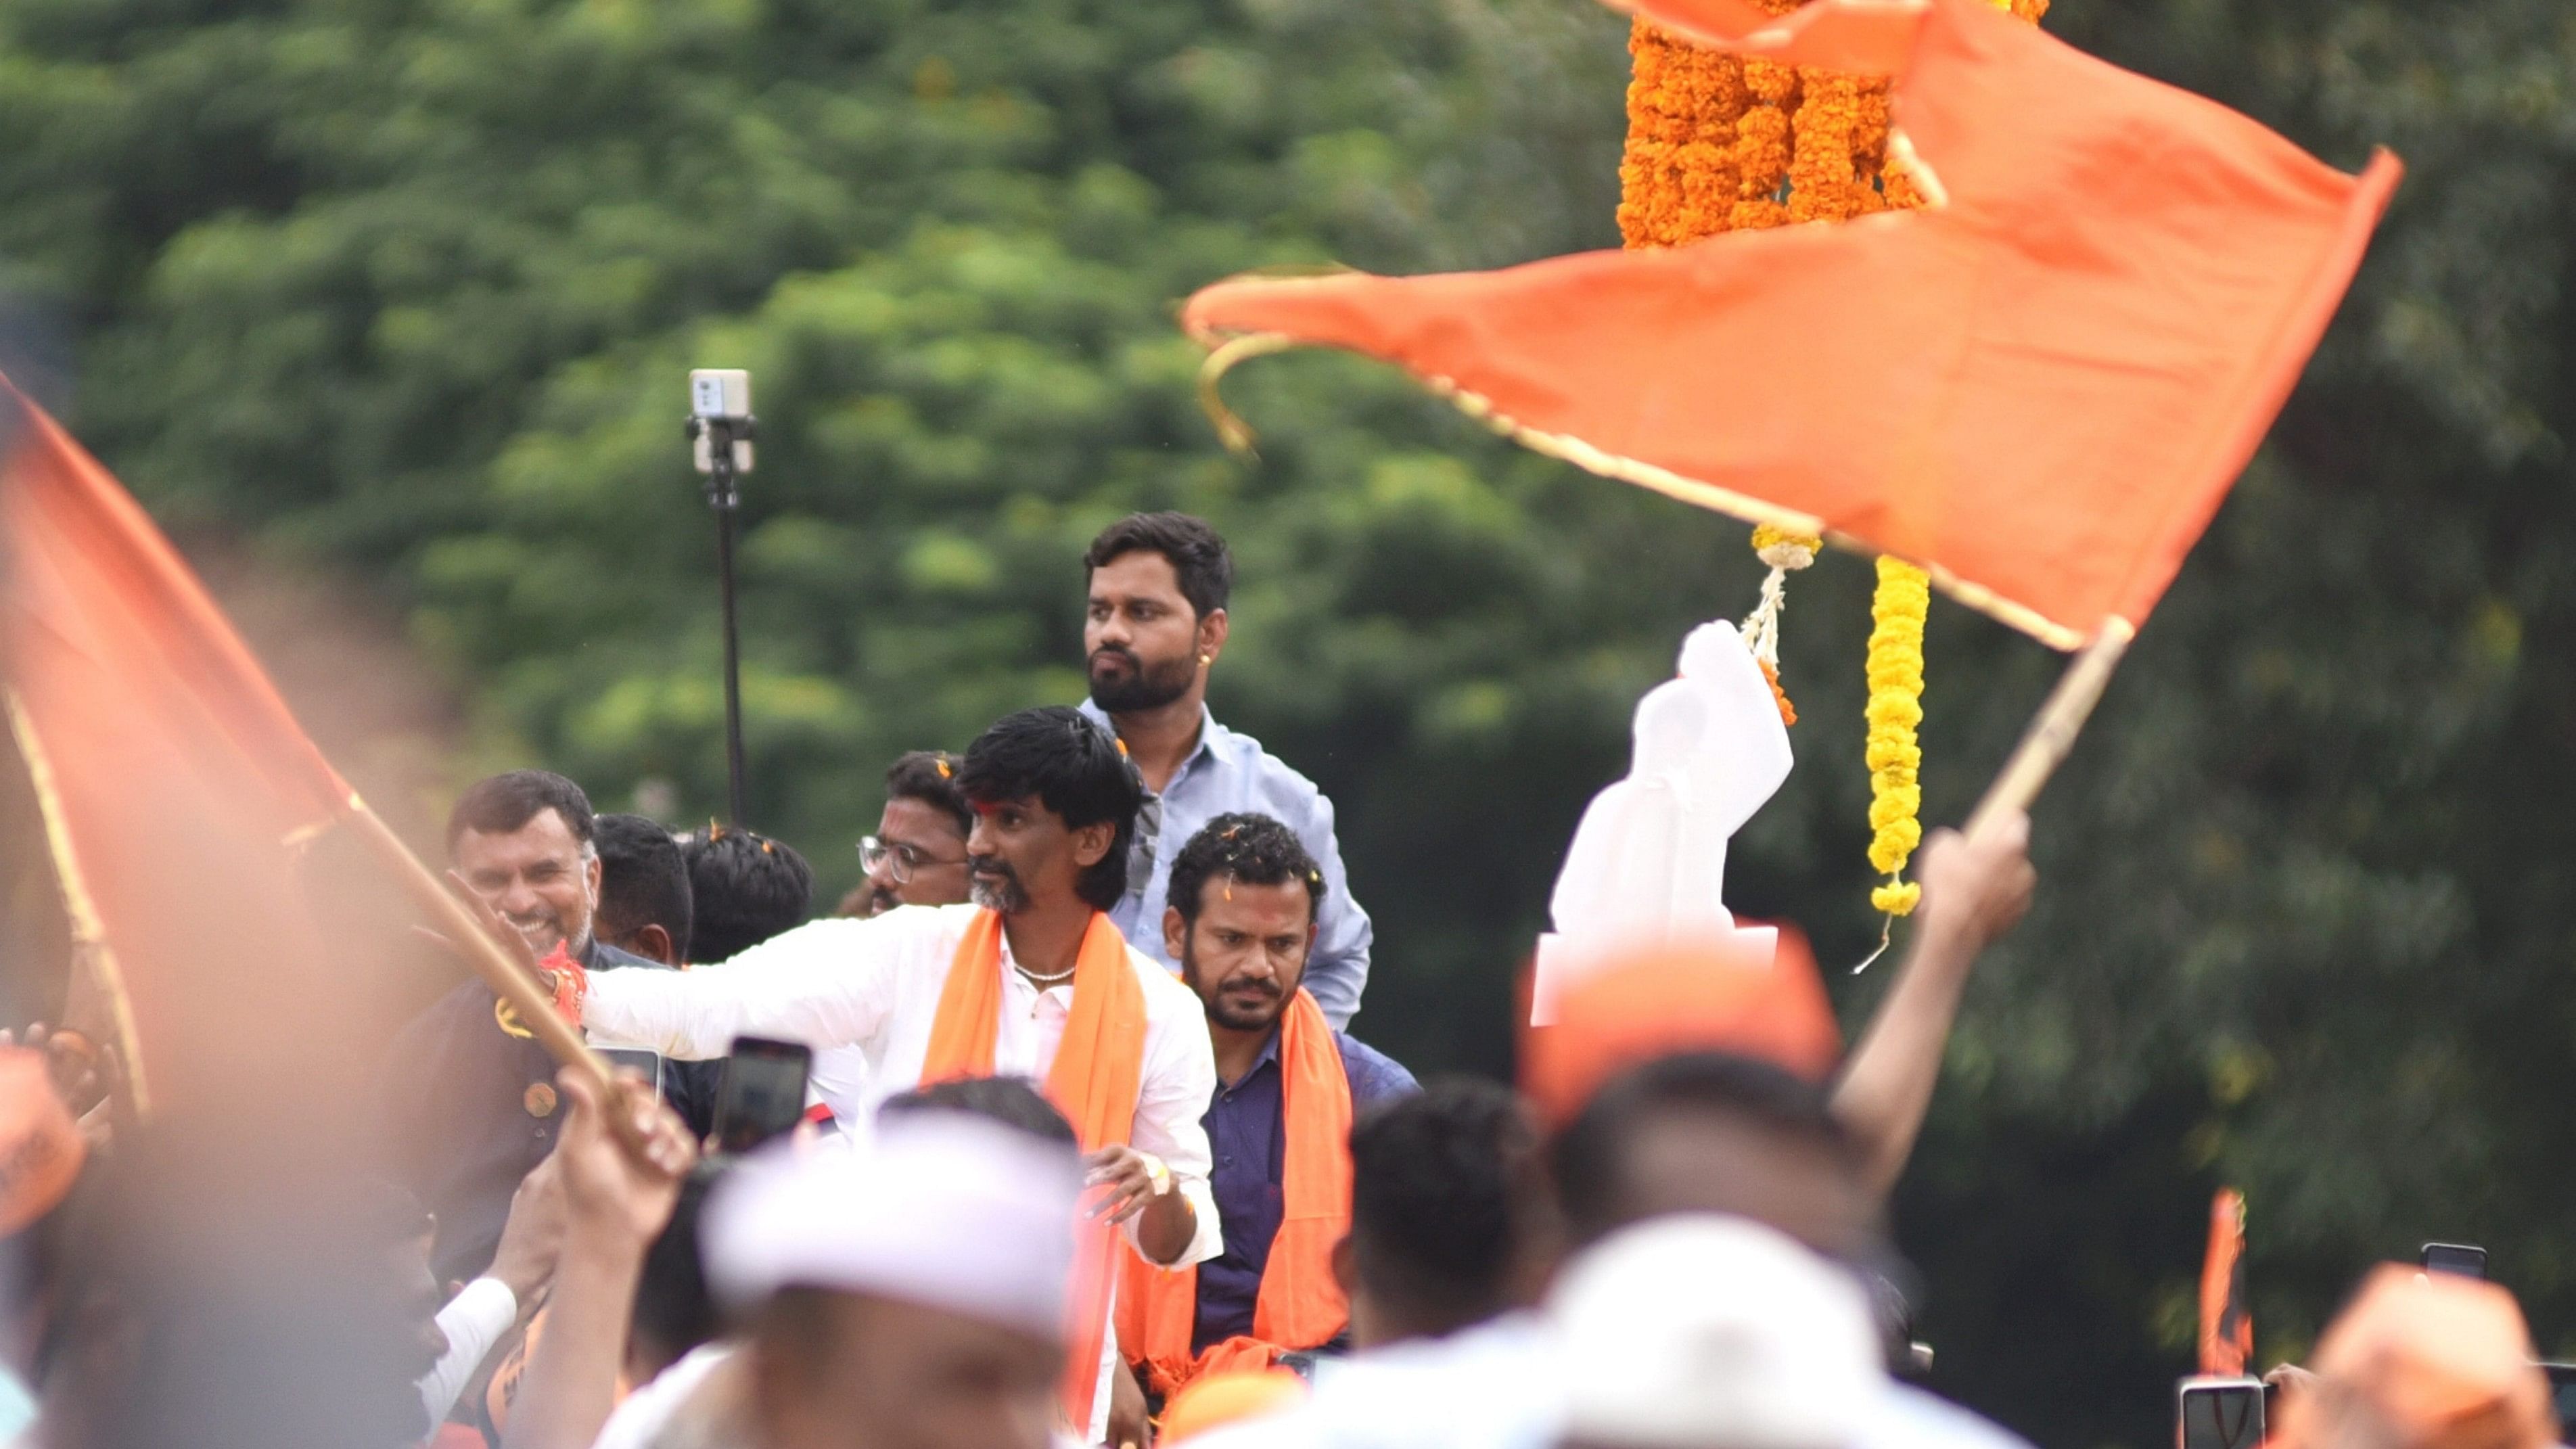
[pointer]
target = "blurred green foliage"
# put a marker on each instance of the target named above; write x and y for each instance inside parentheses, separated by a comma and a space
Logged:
(404, 293)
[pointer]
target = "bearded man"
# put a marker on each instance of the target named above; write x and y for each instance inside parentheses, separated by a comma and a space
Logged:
(1155, 625)
(1241, 917)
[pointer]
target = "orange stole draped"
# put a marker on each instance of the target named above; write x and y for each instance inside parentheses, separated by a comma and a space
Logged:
(1300, 1306)
(1098, 1070)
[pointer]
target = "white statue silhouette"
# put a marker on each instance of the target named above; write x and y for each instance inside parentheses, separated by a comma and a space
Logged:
(1648, 863)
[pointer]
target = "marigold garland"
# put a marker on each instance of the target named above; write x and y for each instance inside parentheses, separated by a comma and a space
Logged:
(1895, 710)
(1716, 144)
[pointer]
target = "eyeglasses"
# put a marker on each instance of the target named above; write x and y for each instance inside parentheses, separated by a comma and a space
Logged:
(899, 861)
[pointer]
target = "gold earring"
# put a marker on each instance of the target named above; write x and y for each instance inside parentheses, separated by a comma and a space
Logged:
(1207, 659)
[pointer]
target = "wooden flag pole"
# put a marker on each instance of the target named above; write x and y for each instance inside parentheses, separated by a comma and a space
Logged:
(508, 979)
(2052, 731)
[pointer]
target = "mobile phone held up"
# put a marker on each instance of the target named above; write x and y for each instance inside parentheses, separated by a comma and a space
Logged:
(762, 1093)
(2219, 1413)
(643, 1063)
(2459, 1258)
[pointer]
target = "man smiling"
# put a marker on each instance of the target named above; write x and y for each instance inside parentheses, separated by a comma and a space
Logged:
(1030, 980)
(469, 1092)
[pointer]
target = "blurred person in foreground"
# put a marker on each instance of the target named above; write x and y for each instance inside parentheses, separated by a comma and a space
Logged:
(1451, 1219)
(470, 1097)
(1699, 1086)
(744, 888)
(675, 1378)
(1154, 625)
(1031, 980)
(1703, 1332)
(918, 855)
(645, 905)
(2421, 1361)
(1241, 917)
(908, 1296)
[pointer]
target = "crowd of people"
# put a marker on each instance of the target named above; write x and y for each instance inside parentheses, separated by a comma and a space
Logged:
(1092, 1156)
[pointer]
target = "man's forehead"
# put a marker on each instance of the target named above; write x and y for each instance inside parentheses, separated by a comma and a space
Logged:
(1245, 906)
(1025, 804)
(544, 834)
(912, 821)
(1140, 571)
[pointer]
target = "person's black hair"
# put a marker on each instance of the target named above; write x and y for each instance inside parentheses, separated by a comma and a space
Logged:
(674, 1311)
(744, 888)
(503, 804)
(1197, 553)
(1589, 1157)
(1444, 1193)
(1075, 769)
(643, 880)
(1011, 1101)
(930, 776)
(1254, 849)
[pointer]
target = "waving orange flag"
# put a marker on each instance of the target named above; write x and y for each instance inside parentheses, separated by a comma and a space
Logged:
(2039, 387)
(171, 774)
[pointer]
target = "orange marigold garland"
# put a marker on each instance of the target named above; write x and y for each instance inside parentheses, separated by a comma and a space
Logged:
(1719, 144)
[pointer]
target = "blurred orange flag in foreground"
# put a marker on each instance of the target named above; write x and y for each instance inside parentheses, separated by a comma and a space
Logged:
(175, 776)
(2039, 387)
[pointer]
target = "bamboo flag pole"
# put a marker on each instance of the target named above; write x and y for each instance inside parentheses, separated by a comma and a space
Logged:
(2052, 731)
(508, 979)
(93, 959)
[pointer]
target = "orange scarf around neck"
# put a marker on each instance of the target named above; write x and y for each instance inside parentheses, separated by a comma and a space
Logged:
(1099, 1068)
(1299, 1306)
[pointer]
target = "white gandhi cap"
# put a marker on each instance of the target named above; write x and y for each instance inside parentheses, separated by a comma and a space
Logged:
(941, 1209)
(1705, 1332)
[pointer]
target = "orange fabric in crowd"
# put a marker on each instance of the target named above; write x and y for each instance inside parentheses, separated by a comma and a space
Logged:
(41, 1150)
(2436, 1360)
(1099, 1067)
(2039, 388)
(1218, 1399)
(1300, 1305)
(1663, 1000)
(2226, 1318)
(174, 774)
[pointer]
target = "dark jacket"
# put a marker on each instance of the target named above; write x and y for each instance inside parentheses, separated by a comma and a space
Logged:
(464, 1123)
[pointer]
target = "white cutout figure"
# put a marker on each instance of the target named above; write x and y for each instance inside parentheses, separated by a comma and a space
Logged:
(1648, 862)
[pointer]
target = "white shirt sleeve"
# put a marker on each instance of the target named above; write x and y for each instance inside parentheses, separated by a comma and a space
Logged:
(1178, 1082)
(473, 1321)
(827, 983)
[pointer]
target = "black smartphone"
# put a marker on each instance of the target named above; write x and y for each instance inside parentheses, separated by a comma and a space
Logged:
(2219, 1413)
(762, 1092)
(643, 1062)
(2562, 1391)
(2459, 1258)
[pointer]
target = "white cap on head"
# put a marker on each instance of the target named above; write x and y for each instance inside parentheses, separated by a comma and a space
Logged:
(1705, 1332)
(943, 1209)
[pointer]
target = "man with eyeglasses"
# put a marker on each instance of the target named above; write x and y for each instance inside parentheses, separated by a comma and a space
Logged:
(918, 855)
(1153, 626)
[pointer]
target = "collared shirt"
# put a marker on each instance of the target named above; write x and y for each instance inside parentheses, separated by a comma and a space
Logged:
(464, 1121)
(1247, 1129)
(875, 984)
(1230, 773)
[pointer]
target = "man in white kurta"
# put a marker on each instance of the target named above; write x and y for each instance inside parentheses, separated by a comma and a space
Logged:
(1055, 804)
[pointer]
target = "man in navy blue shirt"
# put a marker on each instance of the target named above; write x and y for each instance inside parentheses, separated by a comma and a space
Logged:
(1240, 918)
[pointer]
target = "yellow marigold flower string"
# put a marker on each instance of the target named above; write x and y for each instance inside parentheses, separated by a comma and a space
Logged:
(1895, 711)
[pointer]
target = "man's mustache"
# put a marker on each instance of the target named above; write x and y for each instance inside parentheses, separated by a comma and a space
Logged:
(1120, 651)
(1263, 985)
(992, 865)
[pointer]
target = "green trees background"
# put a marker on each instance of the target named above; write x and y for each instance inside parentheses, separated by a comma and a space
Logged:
(400, 297)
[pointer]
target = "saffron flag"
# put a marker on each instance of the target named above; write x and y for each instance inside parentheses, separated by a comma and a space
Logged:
(2226, 1320)
(171, 775)
(2039, 387)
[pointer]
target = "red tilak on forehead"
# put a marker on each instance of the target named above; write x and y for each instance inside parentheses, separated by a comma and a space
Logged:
(986, 807)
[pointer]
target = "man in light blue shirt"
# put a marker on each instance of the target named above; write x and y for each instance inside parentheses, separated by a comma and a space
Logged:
(1154, 627)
